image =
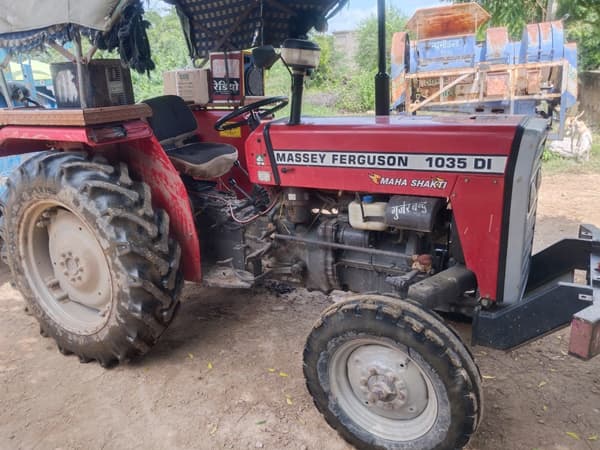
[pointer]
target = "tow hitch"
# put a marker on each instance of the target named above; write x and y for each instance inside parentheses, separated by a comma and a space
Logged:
(552, 300)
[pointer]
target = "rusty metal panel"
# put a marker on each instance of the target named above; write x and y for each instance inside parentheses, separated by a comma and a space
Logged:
(534, 81)
(497, 48)
(450, 20)
(497, 84)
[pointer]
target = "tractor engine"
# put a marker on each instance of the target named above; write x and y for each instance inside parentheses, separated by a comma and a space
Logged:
(327, 240)
(363, 243)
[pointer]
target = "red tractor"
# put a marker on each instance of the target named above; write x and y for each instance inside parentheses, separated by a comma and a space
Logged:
(417, 216)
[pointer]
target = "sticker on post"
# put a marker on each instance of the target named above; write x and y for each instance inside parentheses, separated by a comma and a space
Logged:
(233, 133)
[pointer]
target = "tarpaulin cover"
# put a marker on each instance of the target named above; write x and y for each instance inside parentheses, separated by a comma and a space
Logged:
(27, 15)
(27, 24)
(239, 24)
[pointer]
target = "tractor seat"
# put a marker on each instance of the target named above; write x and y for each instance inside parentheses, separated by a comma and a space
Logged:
(175, 126)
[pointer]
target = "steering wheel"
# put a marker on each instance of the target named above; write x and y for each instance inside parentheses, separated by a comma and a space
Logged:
(255, 115)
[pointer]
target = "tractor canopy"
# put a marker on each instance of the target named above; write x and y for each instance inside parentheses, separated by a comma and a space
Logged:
(28, 24)
(208, 25)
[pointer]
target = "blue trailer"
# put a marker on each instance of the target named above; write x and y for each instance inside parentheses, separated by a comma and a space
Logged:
(439, 64)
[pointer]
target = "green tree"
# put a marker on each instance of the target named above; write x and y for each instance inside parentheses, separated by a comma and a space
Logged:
(514, 14)
(583, 26)
(356, 91)
(326, 68)
(169, 51)
(367, 38)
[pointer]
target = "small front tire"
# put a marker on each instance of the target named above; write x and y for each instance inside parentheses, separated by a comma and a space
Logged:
(388, 374)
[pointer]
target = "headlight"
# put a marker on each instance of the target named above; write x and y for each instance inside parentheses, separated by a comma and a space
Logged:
(300, 54)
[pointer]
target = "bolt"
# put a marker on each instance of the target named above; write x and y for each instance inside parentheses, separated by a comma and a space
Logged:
(76, 259)
(62, 263)
(66, 273)
(372, 371)
(372, 398)
(486, 302)
(363, 381)
(79, 278)
(70, 254)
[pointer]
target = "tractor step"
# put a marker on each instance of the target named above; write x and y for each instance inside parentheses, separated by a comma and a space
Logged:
(228, 278)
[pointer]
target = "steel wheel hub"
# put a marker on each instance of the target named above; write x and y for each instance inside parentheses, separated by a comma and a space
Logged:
(387, 382)
(79, 263)
(382, 389)
(66, 267)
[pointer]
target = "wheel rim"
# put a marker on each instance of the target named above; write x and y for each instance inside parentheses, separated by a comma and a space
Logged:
(66, 267)
(383, 389)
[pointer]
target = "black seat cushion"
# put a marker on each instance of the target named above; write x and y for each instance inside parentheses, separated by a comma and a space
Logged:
(172, 119)
(204, 159)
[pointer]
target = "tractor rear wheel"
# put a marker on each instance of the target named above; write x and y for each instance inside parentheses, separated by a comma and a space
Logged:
(388, 374)
(91, 256)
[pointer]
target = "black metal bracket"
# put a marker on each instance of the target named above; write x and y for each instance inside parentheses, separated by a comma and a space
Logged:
(551, 297)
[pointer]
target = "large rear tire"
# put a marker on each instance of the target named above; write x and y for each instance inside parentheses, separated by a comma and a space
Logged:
(90, 255)
(387, 374)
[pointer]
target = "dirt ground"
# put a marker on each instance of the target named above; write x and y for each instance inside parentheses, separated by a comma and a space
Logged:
(227, 374)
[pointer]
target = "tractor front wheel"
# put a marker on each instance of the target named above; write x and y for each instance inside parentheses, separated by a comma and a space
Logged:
(388, 374)
(91, 256)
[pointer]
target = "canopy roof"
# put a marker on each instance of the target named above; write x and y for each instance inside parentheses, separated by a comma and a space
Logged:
(209, 25)
(212, 25)
(28, 24)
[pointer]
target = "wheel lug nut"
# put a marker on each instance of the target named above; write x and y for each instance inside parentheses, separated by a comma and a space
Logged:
(363, 381)
(372, 371)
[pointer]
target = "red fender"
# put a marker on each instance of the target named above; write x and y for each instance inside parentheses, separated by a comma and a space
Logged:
(146, 158)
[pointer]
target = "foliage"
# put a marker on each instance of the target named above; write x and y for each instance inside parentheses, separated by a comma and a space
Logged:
(169, 51)
(367, 38)
(583, 26)
(514, 14)
(327, 64)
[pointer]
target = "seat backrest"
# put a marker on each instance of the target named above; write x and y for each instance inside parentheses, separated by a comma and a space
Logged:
(172, 120)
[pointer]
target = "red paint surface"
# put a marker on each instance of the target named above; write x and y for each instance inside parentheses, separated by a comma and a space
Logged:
(477, 199)
(206, 120)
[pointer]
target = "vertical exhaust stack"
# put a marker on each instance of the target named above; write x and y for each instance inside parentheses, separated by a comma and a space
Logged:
(382, 79)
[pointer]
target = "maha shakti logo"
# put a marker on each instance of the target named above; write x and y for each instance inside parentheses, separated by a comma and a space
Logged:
(431, 183)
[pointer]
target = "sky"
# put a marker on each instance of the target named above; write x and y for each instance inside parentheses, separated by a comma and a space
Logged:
(357, 10)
